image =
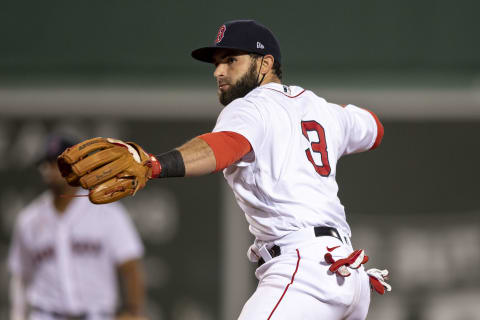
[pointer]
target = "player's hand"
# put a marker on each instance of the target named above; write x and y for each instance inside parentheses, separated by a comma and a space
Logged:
(128, 316)
(110, 169)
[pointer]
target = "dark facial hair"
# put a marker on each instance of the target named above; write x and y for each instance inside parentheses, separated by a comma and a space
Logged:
(243, 86)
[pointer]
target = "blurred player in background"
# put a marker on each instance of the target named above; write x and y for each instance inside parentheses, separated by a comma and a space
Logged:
(67, 254)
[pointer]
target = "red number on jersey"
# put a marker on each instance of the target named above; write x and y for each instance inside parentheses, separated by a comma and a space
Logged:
(319, 147)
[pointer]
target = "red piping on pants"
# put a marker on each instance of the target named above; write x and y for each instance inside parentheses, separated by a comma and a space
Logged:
(288, 285)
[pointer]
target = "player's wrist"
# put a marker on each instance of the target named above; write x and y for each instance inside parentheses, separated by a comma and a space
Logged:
(167, 165)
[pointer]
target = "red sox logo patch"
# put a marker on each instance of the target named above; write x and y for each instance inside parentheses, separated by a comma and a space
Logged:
(220, 34)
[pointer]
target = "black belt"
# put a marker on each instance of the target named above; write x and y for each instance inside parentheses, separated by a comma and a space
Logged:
(68, 316)
(60, 315)
(319, 232)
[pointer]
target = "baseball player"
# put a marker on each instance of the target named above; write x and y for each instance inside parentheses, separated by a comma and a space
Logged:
(66, 253)
(278, 147)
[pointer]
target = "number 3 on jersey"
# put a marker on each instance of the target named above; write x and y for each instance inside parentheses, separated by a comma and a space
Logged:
(319, 146)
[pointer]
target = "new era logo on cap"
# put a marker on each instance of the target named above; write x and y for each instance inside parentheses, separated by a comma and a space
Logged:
(260, 45)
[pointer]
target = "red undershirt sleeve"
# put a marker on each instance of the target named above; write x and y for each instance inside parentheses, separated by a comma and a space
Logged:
(227, 146)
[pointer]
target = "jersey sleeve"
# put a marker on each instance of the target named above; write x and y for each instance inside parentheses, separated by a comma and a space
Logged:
(243, 117)
(363, 130)
(124, 240)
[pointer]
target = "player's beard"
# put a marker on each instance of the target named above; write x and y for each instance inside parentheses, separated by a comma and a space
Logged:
(244, 85)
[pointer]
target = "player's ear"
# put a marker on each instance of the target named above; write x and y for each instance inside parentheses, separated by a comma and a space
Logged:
(267, 64)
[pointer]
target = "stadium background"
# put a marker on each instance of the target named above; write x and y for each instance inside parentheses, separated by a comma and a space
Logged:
(122, 68)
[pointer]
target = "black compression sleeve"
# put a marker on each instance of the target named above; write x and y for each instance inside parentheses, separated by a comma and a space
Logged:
(172, 164)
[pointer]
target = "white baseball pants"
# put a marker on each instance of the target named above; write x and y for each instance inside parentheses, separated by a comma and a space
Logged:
(298, 285)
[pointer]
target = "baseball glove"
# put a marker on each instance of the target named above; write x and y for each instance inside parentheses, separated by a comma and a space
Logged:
(110, 169)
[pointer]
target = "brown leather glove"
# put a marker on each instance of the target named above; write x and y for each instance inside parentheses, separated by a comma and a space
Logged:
(110, 169)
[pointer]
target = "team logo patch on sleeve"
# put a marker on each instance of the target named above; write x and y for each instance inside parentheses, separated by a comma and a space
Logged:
(220, 34)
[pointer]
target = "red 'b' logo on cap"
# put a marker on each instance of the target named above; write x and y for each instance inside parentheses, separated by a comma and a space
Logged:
(220, 34)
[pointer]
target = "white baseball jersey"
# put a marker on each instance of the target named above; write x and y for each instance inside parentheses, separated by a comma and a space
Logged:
(288, 182)
(70, 260)
(286, 187)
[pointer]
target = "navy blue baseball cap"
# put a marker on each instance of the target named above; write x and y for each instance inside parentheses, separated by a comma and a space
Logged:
(54, 146)
(243, 35)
